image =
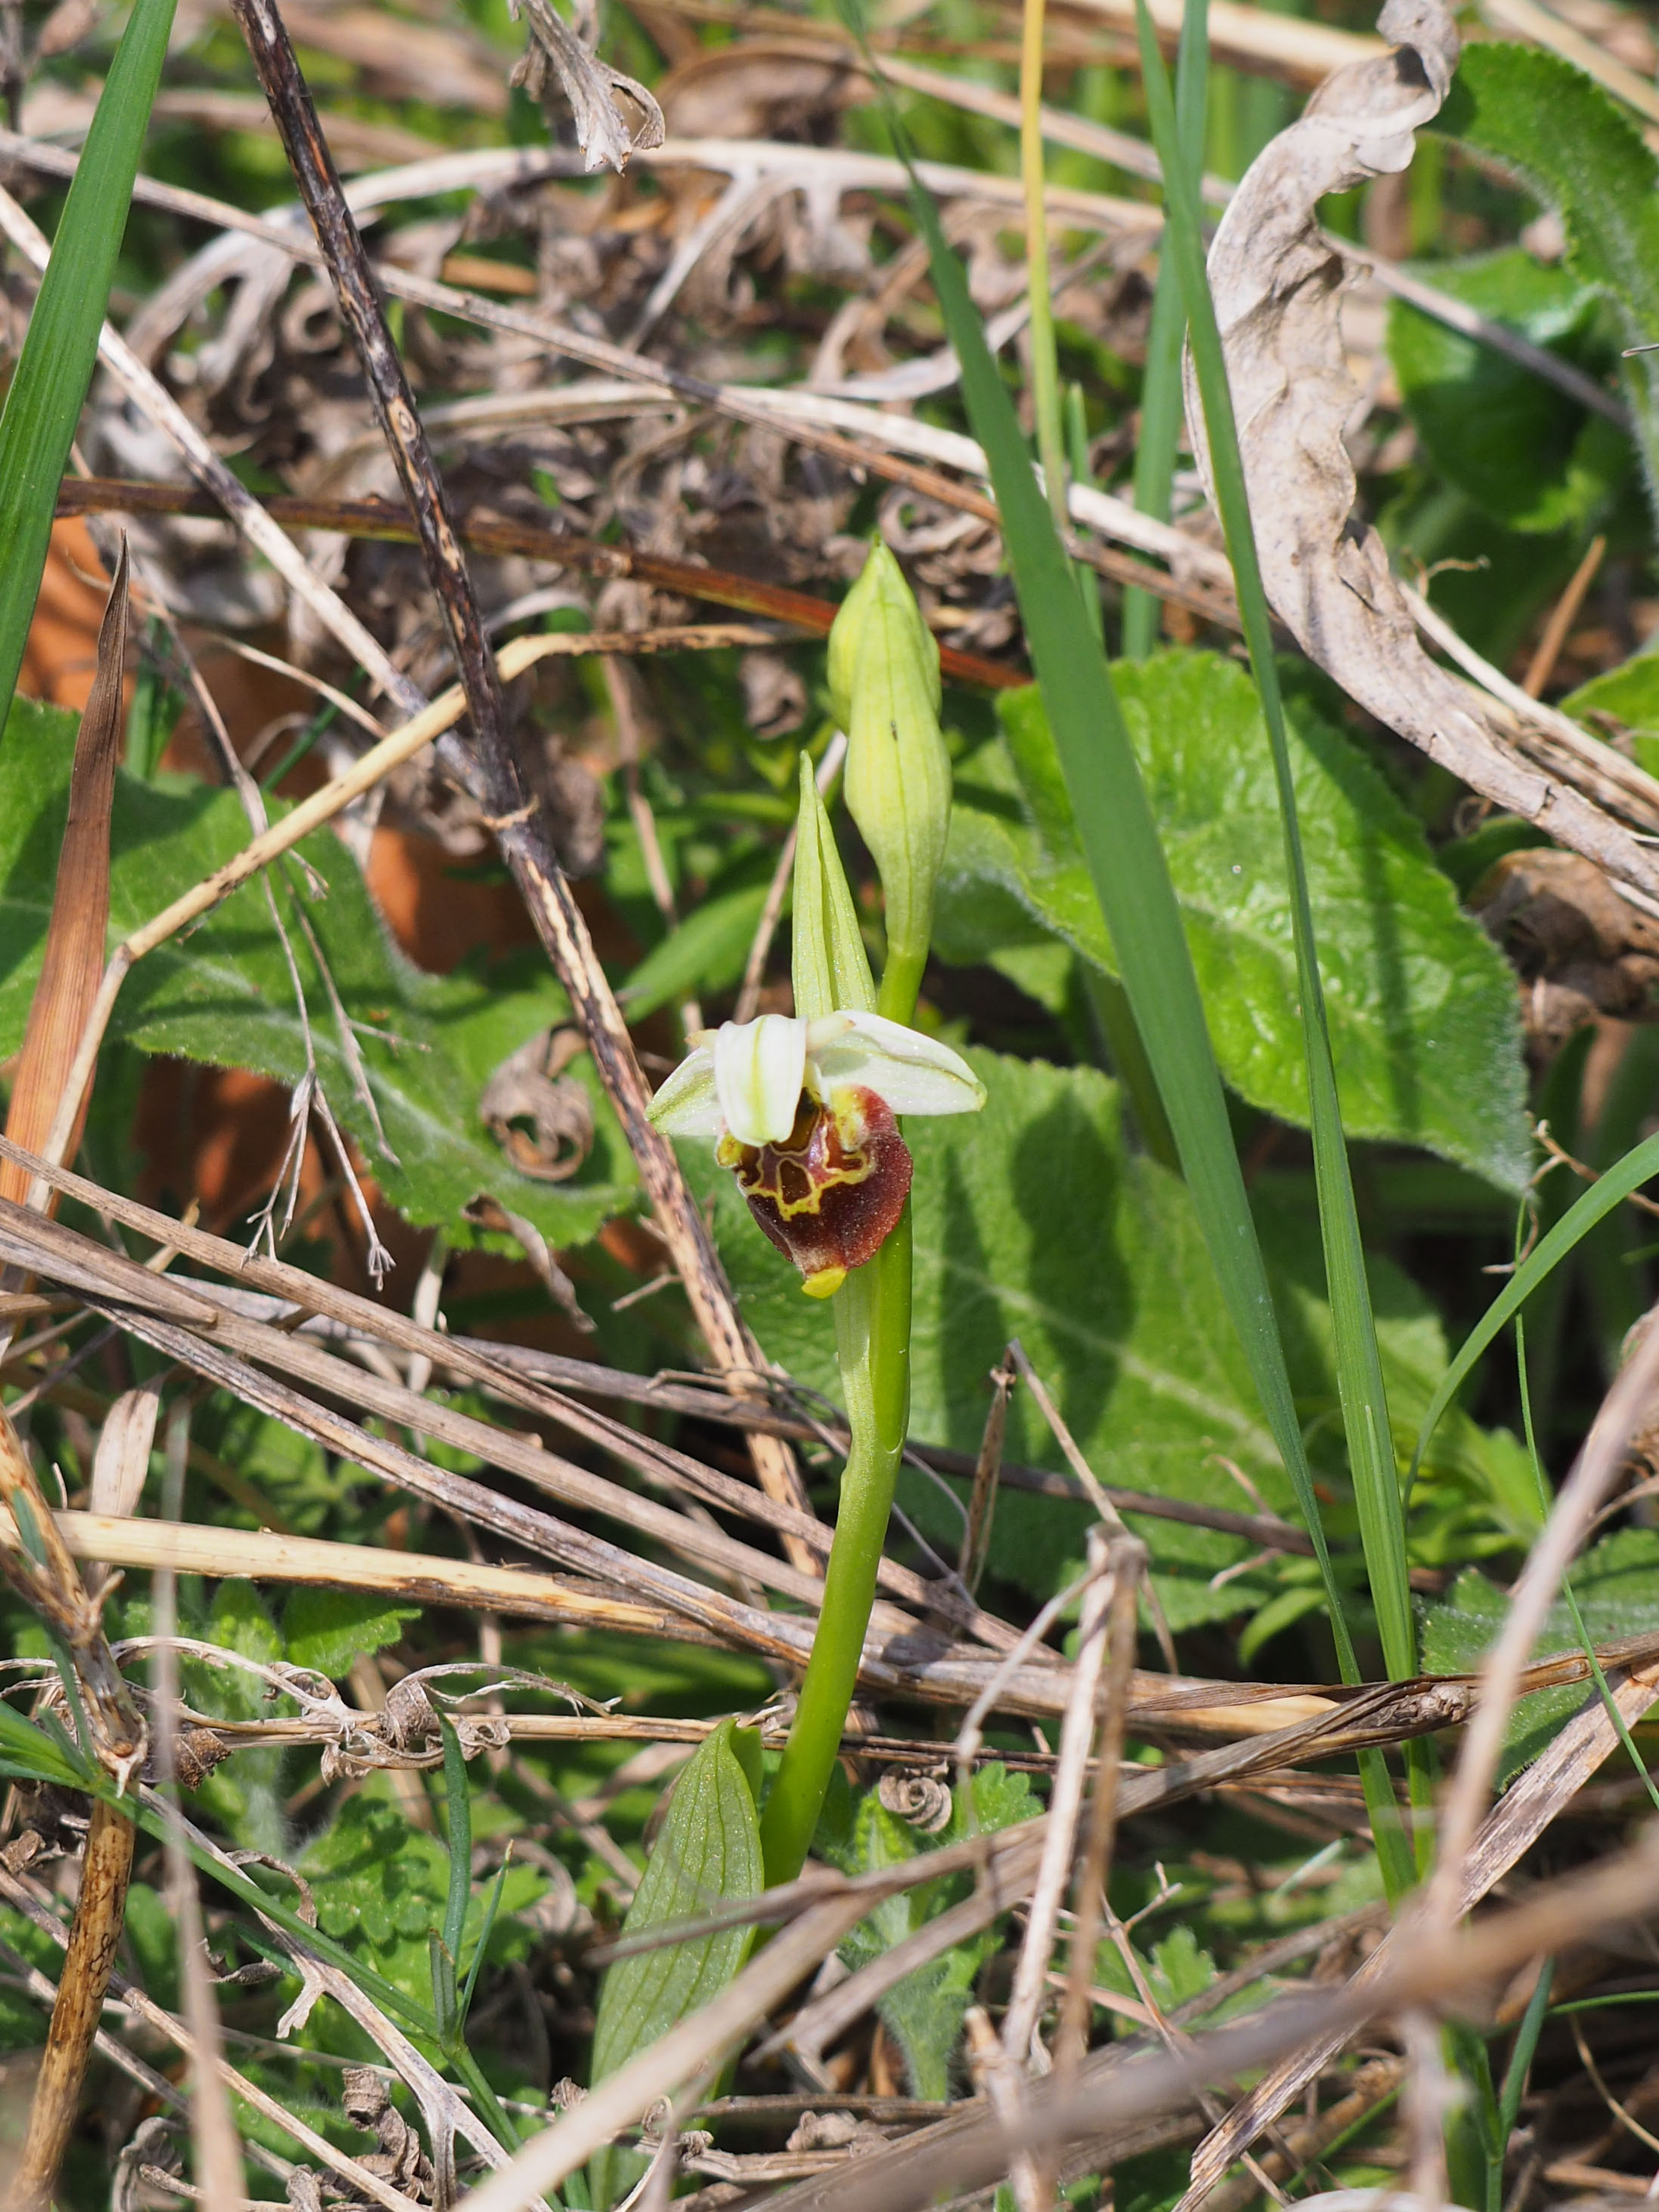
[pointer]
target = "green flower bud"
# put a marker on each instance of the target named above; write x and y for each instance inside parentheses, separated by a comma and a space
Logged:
(884, 683)
(831, 969)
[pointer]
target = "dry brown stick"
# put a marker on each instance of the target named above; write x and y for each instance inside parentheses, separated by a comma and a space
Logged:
(42, 1572)
(1592, 1476)
(1019, 2023)
(88, 1267)
(1129, 1566)
(1513, 1825)
(1563, 615)
(105, 1867)
(68, 983)
(523, 839)
(972, 2151)
(379, 519)
(1372, 2085)
(479, 1362)
(917, 2172)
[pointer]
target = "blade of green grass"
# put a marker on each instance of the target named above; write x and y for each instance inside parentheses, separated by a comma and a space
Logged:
(1130, 876)
(1160, 387)
(43, 403)
(1638, 1166)
(1358, 1362)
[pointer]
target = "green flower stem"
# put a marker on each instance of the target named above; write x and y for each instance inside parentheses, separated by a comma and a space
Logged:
(901, 981)
(872, 1339)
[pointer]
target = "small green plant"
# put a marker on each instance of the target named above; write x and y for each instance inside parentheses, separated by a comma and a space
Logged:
(803, 1110)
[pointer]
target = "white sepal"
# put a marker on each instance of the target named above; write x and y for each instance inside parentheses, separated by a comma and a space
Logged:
(686, 1105)
(912, 1073)
(759, 1070)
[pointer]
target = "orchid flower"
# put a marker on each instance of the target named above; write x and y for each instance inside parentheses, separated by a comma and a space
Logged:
(803, 1113)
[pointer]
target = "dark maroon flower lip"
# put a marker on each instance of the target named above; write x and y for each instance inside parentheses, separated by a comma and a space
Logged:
(831, 1194)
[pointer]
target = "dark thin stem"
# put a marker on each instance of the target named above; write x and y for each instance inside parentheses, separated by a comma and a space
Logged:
(521, 834)
(106, 1866)
(380, 520)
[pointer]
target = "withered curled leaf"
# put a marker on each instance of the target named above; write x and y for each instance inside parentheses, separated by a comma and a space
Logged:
(557, 49)
(1277, 284)
(542, 1117)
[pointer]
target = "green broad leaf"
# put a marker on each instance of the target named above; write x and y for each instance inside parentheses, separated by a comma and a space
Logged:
(1525, 453)
(704, 954)
(328, 1630)
(1623, 704)
(44, 400)
(1617, 1585)
(923, 2013)
(707, 1850)
(1582, 156)
(222, 995)
(1034, 1218)
(1421, 1004)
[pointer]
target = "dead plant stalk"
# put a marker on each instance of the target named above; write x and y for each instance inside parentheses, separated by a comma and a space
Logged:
(523, 839)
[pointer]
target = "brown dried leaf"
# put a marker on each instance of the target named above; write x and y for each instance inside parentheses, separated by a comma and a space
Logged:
(555, 49)
(530, 1087)
(1278, 284)
(1580, 949)
(73, 962)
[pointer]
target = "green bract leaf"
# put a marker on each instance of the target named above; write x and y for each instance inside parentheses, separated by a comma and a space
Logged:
(222, 994)
(43, 403)
(707, 1850)
(1530, 456)
(1581, 154)
(1421, 1004)
(1034, 1219)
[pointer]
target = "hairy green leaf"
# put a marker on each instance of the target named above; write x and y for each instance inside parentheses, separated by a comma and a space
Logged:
(1617, 1585)
(1581, 154)
(707, 1849)
(923, 2012)
(222, 994)
(1422, 1006)
(1529, 455)
(328, 1630)
(1623, 704)
(381, 1885)
(43, 402)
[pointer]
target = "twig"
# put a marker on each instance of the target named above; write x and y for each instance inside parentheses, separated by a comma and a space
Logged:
(1019, 2022)
(1512, 1826)
(218, 2150)
(1563, 615)
(987, 1470)
(1128, 1570)
(523, 839)
(42, 1572)
(379, 519)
